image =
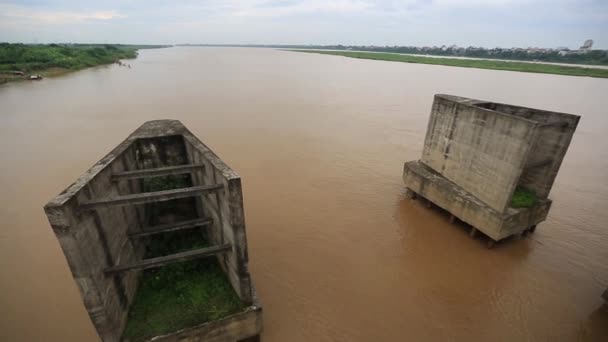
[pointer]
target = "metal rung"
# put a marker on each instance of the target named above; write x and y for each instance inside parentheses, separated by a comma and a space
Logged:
(156, 172)
(166, 228)
(170, 259)
(150, 197)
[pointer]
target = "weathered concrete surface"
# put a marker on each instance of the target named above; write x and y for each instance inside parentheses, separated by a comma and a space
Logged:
(447, 195)
(97, 216)
(226, 209)
(485, 147)
(476, 153)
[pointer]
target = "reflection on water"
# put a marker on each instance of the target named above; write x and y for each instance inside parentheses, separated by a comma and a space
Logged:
(336, 251)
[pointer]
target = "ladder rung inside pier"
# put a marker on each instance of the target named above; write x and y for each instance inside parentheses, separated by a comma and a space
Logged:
(150, 197)
(170, 259)
(161, 171)
(165, 228)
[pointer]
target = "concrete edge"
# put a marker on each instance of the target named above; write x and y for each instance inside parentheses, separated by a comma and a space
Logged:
(497, 228)
(219, 164)
(472, 102)
(150, 129)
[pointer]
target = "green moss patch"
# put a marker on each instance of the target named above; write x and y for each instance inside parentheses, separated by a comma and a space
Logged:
(180, 295)
(166, 182)
(523, 198)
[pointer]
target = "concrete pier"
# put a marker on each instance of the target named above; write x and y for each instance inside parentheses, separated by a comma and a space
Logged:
(476, 153)
(104, 220)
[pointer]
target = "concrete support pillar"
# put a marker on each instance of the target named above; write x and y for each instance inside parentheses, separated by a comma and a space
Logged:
(473, 232)
(410, 194)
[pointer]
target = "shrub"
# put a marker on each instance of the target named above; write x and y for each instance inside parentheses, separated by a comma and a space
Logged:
(523, 198)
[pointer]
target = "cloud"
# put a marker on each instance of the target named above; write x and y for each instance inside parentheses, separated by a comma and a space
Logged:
(287, 8)
(376, 22)
(55, 16)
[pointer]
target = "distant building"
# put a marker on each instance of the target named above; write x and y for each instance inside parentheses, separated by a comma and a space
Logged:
(587, 45)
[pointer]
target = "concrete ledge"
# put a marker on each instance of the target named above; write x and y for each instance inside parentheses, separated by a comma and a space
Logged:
(429, 184)
(170, 259)
(150, 197)
(157, 172)
(243, 325)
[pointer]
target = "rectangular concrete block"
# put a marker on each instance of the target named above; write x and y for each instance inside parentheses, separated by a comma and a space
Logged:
(476, 153)
(486, 147)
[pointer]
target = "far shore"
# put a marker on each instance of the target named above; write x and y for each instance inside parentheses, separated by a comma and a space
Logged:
(20, 62)
(521, 66)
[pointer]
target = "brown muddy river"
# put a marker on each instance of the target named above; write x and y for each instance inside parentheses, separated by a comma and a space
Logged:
(336, 252)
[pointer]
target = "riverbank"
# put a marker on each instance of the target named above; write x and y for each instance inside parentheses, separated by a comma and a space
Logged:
(19, 61)
(471, 63)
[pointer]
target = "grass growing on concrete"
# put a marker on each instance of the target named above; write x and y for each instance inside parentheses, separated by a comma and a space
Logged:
(166, 182)
(179, 295)
(523, 198)
(471, 63)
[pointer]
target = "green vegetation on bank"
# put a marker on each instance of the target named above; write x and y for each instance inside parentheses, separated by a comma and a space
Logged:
(30, 58)
(592, 57)
(471, 63)
(19, 60)
(523, 198)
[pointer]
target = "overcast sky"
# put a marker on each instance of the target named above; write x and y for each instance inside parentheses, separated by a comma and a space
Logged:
(488, 23)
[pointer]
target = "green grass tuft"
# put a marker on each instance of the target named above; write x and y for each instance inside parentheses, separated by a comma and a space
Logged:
(166, 182)
(180, 295)
(523, 198)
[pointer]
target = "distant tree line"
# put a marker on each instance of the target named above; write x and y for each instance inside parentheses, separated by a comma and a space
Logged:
(594, 57)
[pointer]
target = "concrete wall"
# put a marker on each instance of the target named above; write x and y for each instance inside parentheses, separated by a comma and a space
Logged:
(94, 240)
(548, 151)
(480, 150)
(226, 210)
(485, 147)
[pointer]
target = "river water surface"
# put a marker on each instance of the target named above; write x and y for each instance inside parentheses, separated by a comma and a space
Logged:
(336, 252)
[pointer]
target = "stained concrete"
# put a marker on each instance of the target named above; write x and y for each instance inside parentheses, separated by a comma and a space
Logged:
(477, 152)
(96, 217)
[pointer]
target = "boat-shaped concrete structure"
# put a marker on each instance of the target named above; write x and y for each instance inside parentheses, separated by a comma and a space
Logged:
(160, 181)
